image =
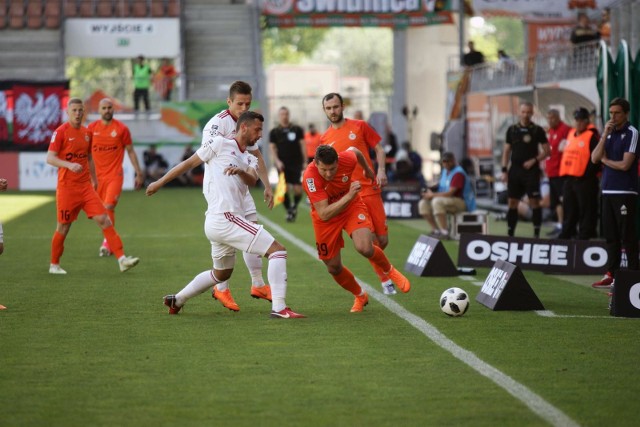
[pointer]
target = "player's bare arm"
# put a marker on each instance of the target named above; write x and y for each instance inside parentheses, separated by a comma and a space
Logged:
(136, 166)
(248, 175)
(264, 177)
(368, 172)
(176, 171)
(54, 160)
(326, 211)
(381, 158)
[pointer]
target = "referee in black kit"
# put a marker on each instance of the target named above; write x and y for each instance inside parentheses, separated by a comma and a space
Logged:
(526, 146)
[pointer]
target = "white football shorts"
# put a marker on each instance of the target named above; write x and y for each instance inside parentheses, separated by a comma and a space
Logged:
(228, 232)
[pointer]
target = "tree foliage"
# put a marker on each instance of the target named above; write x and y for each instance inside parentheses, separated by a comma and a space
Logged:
(289, 45)
(499, 33)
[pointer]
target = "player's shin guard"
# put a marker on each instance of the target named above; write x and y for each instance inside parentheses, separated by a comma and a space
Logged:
(277, 275)
(114, 241)
(536, 218)
(512, 221)
(347, 280)
(254, 265)
(201, 283)
(57, 247)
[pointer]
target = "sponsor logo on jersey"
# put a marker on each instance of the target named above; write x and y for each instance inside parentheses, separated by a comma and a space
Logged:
(311, 185)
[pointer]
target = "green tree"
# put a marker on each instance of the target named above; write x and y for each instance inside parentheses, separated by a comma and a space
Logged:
(360, 52)
(499, 33)
(290, 45)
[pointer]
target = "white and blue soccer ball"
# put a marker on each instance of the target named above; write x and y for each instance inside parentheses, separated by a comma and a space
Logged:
(454, 302)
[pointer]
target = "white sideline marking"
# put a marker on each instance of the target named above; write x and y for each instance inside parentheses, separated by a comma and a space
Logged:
(549, 313)
(531, 400)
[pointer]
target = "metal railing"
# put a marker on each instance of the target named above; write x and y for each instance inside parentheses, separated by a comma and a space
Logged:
(575, 62)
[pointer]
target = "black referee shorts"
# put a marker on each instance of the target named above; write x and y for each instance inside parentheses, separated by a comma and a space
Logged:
(522, 181)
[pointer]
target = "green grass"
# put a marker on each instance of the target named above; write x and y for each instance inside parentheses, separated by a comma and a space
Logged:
(97, 348)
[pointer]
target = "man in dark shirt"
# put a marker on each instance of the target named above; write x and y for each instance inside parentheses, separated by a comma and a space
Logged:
(618, 152)
(288, 151)
(526, 146)
(473, 57)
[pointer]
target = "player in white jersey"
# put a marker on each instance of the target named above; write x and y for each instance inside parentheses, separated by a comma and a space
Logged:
(231, 171)
(224, 124)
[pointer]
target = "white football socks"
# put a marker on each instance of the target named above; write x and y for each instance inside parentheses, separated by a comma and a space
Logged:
(198, 285)
(277, 275)
(254, 265)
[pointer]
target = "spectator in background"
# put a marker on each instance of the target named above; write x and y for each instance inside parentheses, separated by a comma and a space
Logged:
(408, 166)
(154, 163)
(141, 82)
(165, 79)
(582, 37)
(390, 143)
(505, 62)
(557, 137)
(605, 25)
(453, 195)
(358, 115)
(195, 176)
(311, 140)
(473, 57)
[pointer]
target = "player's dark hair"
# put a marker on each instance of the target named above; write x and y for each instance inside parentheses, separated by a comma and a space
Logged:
(526, 104)
(248, 116)
(74, 101)
(622, 103)
(332, 95)
(239, 88)
(326, 154)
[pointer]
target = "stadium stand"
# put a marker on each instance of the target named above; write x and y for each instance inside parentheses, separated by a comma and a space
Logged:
(4, 13)
(35, 14)
(71, 8)
(139, 8)
(16, 14)
(173, 8)
(52, 14)
(104, 8)
(87, 8)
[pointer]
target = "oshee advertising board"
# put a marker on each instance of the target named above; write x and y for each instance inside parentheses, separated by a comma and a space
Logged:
(549, 256)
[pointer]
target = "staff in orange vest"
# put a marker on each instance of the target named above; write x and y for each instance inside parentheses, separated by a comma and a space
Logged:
(580, 192)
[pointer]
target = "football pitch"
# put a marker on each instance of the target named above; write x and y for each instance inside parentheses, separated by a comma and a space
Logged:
(97, 348)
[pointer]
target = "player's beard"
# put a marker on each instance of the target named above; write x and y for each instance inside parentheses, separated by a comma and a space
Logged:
(107, 117)
(336, 118)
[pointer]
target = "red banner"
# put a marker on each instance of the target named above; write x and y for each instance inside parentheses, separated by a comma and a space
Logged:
(37, 112)
(30, 112)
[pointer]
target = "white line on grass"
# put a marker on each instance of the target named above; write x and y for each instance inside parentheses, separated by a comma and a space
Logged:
(549, 313)
(534, 402)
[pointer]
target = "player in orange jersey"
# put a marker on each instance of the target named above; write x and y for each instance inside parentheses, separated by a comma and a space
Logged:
(110, 139)
(335, 206)
(70, 151)
(344, 133)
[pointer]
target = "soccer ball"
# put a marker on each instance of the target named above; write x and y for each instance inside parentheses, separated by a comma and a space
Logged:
(454, 302)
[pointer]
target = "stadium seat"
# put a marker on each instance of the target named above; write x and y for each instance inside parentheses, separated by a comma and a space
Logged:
(122, 9)
(4, 13)
(104, 8)
(87, 8)
(139, 8)
(158, 8)
(16, 14)
(173, 8)
(52, 13)
(71, 8)
(34, 14)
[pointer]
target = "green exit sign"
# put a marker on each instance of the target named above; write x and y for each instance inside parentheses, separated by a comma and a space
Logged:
(123, 42)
